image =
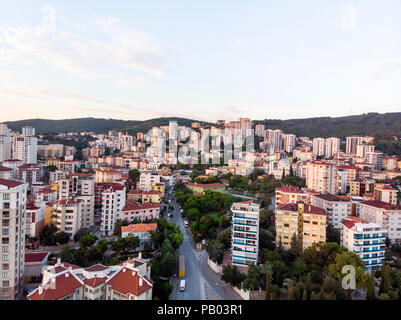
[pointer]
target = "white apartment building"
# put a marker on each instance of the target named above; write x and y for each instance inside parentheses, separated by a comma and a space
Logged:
(375, 158)
(260, 130)
(384, 214)
(66, 216)
(245, 233)
(113, 201)
(25, 148)
(289, 141)
(366, 239)
(321, 176)
(336, 208)
(12, 216)
(362, 149)
(5, 147)
(148, 178)
(333, 145)
(319, 147)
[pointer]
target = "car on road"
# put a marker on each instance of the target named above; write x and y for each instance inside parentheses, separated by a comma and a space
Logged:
(170, 215)
(186, 224)
(182, 285)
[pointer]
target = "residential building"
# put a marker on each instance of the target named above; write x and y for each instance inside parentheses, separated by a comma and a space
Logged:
(260, 130)
(113, 201)
(128, 281)
(321, 176)
(148, 178)
(25, 148)
(319, 147)
(67, 216)
(13, 195)
(306, 223)
(35, 219)
(289, 141)
(386, 215)
(288, 194)
(245, 233)
(140, 230)
(352, 143)
(336, 208)
(333, 145)
(133, 211)
(385, 193)
(366, 239)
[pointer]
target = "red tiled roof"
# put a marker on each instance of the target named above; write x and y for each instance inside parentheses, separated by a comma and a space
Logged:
(64, 286)
(128, 282)
(130, 206)
(96, 267)
(350, 167)
(381, 205)
(140, 227)
(94, 282)
(66, 202)
(5, 169)
(35, 256)
(45, 191)
(289, 189)
(307, 208)
(10, 183)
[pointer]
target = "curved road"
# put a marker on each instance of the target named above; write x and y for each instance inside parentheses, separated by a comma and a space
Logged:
(201, 282)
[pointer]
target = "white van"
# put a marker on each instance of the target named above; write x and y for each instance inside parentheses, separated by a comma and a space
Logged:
(186, 224)
(182, 285)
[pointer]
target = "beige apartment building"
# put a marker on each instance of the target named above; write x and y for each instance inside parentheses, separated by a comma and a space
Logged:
(306, 222)
(321, 176)
(12, 216)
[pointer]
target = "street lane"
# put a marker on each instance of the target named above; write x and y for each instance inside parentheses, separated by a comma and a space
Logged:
(198, 274)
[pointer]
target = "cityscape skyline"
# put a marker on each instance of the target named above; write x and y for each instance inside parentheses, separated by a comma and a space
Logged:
(120, 61)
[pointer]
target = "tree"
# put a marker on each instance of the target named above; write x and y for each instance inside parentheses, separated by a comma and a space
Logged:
(252, 281)
(117, 227)
(349, 258)
(62, 237)
(87, 241)
(215, 249)
(80, 233)
(232, 276)
(134, 176)
(308, 285)
(48, 235)
(305, 295)
(333, 234)
(268, 286)
(132, 242)
(370, 294)
(385, 282)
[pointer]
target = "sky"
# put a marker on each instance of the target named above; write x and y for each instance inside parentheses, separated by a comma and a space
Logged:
(205, 60)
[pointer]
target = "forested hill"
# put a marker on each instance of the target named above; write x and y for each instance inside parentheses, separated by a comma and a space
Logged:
(379, 125)
(95, 125)
(372, 124)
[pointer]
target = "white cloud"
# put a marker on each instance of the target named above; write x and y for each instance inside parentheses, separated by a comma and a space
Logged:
(99, 51)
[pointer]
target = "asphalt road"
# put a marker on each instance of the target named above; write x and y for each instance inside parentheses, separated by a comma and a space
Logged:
(201, 282)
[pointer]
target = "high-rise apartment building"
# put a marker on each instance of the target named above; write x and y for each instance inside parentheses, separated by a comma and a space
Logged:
(113, 201)
(289, 141)
(321, 176)
(366, 239)
(5, 143)
(352, 143)
(319, 147)
(245, 233)
(260, 130)
(333, 145)
(12, 216)
(274, 139)
(25, 148)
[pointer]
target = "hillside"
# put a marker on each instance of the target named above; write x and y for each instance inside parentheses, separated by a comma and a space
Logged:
(94, 125)
(373, 124)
